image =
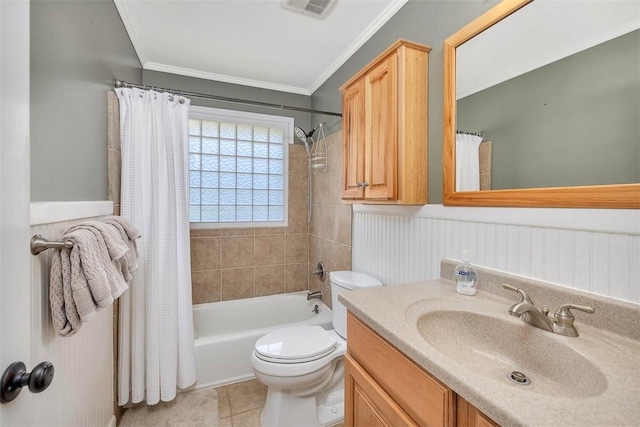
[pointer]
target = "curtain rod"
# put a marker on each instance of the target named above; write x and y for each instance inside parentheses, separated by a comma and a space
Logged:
(120, 83)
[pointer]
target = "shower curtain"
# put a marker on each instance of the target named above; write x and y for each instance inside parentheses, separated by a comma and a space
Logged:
(156, 340)
(467, 162)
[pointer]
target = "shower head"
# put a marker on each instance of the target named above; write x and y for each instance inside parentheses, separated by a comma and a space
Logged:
(301, 134)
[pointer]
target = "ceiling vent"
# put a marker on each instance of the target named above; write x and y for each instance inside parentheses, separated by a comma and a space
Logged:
(317, 8)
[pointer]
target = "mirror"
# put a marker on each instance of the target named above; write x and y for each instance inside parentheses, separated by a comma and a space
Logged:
(564, 131)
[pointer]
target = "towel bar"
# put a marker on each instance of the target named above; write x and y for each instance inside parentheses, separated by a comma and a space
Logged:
(39, 244)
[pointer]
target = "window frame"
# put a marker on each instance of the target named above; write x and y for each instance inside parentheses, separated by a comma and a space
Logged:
(248, 118)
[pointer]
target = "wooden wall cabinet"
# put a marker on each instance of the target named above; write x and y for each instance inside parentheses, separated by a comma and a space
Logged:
(384, 388)
(384, 114)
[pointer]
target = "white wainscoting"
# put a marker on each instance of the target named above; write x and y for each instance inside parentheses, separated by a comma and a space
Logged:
(406, 245)
(81, 393)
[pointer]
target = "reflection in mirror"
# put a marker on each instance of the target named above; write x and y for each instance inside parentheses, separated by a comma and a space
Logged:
(560, 105)
(554, 89)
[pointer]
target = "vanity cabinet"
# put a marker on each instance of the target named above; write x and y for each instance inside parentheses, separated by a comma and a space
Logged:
(384, 388)
(384, 113)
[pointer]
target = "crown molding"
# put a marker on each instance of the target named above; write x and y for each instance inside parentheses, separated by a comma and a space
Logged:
(388, 13)
(154, 66)
(121, 6)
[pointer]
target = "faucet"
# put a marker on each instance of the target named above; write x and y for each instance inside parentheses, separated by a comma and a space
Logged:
(561, 323)
(314, 295)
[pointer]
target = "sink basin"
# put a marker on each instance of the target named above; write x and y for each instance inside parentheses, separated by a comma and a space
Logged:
(492, 344)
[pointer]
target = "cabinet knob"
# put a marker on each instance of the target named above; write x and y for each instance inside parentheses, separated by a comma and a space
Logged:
(365, 184)
(358, 184)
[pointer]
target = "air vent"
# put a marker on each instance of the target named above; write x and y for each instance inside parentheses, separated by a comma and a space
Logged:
(317, 8)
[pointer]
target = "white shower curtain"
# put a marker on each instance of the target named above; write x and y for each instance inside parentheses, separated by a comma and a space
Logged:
(156, 352)
(467, 162)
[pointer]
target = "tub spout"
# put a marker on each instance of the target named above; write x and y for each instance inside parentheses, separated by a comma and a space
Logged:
(314, 295)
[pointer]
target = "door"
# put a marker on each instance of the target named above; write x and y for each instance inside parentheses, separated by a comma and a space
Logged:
(353, 140)
(381, 130)
(15, 287)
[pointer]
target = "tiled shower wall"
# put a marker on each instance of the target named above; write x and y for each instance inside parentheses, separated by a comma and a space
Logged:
(330, 230)
(239, 263)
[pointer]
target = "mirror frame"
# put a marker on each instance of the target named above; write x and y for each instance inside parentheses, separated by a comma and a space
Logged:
(618, 196)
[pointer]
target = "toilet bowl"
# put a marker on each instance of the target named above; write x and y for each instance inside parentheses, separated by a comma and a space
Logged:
(303, 366)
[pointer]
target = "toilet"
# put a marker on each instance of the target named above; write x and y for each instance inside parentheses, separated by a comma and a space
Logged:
(303, 366)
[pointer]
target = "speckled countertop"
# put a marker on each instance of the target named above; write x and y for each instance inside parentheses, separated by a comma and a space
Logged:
(608, 395)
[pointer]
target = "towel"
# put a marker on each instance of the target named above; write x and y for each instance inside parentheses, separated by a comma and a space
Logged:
(111, 250)
(129, 234)
(93, 273)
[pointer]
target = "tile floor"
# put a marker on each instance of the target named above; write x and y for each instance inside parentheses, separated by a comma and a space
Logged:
(239, 404)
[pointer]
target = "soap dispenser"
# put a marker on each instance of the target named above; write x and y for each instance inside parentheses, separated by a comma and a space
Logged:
(465, 276)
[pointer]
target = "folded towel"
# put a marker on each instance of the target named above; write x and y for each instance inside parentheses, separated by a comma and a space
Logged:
(93, 273)
(111, 250)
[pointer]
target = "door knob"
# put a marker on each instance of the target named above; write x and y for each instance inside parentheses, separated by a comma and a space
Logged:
(15, 377)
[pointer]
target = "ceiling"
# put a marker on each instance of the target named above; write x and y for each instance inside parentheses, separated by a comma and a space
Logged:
(251, 42)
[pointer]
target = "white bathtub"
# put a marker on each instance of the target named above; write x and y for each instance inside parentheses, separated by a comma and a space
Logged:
(227, 331)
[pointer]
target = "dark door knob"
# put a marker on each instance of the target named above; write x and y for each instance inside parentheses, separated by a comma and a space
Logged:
(15, 377)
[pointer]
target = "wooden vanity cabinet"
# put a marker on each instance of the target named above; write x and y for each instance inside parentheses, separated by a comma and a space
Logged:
(384, 388)
(384, 113)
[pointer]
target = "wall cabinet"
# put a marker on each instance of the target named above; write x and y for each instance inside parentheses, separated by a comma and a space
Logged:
(384, 388)
(384, 113)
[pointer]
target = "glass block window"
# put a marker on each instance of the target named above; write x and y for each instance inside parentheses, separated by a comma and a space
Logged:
(238, 167)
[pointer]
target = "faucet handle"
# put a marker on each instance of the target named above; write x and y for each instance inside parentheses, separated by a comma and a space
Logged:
(523, 295)
(564, 313)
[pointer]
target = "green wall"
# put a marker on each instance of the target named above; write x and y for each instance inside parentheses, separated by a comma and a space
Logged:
(78, 48)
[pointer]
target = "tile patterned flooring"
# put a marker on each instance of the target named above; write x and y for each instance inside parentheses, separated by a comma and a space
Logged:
(239, 404)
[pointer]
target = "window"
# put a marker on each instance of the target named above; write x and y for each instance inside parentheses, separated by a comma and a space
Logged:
(238, 168)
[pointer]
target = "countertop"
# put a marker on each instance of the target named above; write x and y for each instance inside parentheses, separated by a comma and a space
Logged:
(392, 312)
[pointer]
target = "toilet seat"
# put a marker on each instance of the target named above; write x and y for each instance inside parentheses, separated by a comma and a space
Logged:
(296, 344)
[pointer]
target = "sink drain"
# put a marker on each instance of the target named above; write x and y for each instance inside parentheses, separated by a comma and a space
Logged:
(518, 378)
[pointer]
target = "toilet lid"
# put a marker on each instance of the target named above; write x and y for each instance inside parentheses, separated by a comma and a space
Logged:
(296, 344)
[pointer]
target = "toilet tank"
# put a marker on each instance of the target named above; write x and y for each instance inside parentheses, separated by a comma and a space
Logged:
(346, 281)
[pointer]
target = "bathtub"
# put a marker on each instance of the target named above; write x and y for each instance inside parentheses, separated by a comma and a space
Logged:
(226, 332)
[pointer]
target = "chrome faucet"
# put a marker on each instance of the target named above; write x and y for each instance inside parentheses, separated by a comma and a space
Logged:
(314, 295)
(561, 323)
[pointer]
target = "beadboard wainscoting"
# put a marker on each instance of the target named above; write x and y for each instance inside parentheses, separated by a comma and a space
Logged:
(596, 251)
(81, 393)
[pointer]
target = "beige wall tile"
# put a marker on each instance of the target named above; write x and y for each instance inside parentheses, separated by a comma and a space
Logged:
(343, 225)
(206, 286)
(269, 250)
(297, 159)
(342, 257)
(237, 231)
(485, 181)
(329, 227)
(316, 220)
(269, 230)
(205, 253)
(298, 219)
(298, 189)
(320, 189)
(238, 283)
(484, 154)
(296, 248)
(315, 252)
(209, 232)
(237, 251)
(113, 174)
(296, 277)
(269, 280)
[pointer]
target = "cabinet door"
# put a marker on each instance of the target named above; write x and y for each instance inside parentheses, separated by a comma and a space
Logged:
(366, 403)
(468, 416)
(381, 130)
(353, 141)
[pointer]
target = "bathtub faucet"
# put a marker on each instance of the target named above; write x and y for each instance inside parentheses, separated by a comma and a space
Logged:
(314, 295)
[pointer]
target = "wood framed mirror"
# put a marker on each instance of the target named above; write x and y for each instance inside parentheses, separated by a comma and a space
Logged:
(617, 194)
